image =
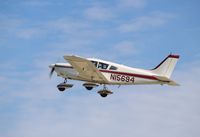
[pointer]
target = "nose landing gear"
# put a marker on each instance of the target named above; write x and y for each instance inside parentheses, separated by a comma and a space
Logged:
(62, 86)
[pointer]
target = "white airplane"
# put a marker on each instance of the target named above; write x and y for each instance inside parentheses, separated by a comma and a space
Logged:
(95, 72)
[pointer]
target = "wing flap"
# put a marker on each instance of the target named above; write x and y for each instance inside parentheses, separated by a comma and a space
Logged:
(86, 69)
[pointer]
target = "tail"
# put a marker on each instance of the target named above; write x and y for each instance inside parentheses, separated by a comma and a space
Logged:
(166, 67)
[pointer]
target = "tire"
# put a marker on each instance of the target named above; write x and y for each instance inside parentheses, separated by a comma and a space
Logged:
(89, 88)
(61, 89)
(103, 95)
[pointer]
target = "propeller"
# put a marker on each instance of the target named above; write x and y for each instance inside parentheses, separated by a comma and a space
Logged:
(52, 70)
(52, 66)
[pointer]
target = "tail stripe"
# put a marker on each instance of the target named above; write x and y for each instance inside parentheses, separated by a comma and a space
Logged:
(170, 56)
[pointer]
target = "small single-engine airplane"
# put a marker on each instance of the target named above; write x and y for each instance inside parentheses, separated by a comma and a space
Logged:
(97, 72)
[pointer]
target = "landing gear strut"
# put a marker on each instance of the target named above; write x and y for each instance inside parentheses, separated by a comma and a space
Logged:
(62, 86)
(104, 92)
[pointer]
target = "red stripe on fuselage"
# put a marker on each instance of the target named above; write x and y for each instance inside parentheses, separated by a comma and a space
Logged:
(130, 74)
(120, 73)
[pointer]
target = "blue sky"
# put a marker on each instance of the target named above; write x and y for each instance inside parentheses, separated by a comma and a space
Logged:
(137, 33)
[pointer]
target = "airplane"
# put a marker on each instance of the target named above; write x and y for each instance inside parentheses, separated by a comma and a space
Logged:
(95, 72)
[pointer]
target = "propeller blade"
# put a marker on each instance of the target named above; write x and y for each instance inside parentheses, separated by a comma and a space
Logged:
(51, 72)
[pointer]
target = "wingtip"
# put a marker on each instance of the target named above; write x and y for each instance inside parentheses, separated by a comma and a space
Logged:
(73, 57)
(68, 56)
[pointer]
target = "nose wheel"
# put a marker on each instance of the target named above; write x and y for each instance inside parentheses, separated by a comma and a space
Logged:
(104, 92)
(62, 86)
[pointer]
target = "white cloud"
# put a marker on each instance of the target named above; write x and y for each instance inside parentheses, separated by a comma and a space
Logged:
(29, 33)
(74, 31)
(25, 29)
(38, 3)
(18, 28)
(67, 25)
(125, 48)
(98, 13)
(7, 23)
(132, 3)
(153, 20)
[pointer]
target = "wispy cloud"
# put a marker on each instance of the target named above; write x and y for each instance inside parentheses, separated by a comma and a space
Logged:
(37, 3)
(29, 33)
(25, 29)
(98, 13)
(17, 27)
(132, 3)
(125, 48)
(7, 23)
(152, 20)
(66, 25)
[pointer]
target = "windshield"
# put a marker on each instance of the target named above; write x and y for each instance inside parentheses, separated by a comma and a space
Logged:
(102, 65)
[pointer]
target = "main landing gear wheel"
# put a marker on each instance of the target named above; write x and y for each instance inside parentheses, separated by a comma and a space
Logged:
(90, 86)
(104, 92)
(62, 86)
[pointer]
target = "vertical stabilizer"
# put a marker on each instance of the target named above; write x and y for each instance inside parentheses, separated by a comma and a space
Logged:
(166, 67)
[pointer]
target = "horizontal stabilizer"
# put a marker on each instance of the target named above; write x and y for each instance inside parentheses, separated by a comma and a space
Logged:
(167, 81)
(173, 83)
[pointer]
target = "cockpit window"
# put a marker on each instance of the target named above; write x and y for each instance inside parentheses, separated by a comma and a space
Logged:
(113, 68)
(102, 65)
(95, 63)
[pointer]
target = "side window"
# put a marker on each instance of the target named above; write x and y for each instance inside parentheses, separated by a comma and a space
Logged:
(113, 68)
(102, 65)
(95, 63)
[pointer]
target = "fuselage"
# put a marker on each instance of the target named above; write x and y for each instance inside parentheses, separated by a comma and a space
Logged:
(116, 74)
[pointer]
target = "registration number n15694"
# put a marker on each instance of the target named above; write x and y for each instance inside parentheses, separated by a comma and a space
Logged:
(121, 78)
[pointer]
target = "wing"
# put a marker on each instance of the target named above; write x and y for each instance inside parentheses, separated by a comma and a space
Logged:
(86, 69)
